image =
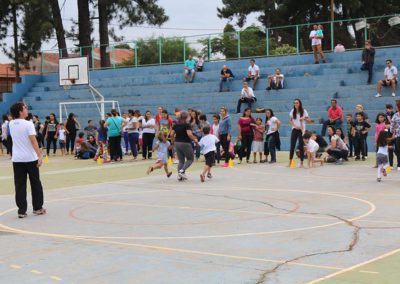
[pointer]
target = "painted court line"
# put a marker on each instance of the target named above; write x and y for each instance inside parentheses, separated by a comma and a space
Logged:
(14, 266)
(353, 267)
(37, 272)
(55, 278)
(370, 272)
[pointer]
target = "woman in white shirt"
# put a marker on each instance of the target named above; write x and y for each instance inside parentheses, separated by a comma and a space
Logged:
(298, 118)
(272, 141)
(316, 36)
(149, 132)
(246, 96)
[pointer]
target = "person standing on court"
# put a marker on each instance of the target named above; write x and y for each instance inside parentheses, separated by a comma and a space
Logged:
(27, 158)
(368, 58)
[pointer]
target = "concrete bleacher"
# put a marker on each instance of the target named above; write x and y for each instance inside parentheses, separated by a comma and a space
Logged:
(145, 88)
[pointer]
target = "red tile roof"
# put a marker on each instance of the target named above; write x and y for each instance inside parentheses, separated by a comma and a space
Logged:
(9, 69)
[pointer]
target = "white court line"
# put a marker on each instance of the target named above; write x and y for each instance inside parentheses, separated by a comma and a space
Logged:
(353, 267)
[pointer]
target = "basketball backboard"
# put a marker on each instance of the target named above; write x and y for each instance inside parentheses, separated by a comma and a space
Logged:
(75, 70)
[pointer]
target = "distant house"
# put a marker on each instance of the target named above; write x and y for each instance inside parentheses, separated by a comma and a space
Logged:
(50, 62)
(8, 77)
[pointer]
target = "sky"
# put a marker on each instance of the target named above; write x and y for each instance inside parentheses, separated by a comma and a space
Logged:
(184, 15)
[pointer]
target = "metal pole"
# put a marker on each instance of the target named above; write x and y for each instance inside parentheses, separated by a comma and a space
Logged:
(80, 51)
(209, 47)
(136, 56)
(238, 43)
(114, 52)
(60, 109)
(92, 51)
(184, 49)
(160, 50)
(42, 61)
(267, 41)
(366, 31)
(297, 39)
(332, 37)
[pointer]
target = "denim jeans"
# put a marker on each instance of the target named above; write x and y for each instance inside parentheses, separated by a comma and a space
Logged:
(337, 124)
(369, 67)
(227, 82)
(133, 139)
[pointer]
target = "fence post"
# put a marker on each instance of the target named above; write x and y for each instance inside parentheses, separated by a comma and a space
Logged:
(160, 50)
(238, 43)
(80, 51)
(92, 51)
(267, 41)
(184, 49)
(366, 31)
(114, 52)
(42, 61)
(297, 40)
(209, 47)
(332, 37)
(136, 56)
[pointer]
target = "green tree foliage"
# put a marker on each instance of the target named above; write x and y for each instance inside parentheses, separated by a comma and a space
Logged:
(148, 51)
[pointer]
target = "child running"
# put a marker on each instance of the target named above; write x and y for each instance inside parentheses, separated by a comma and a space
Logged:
(162, 146)
(311, 148)
(382, 155)
(207, 145)
(62, 138)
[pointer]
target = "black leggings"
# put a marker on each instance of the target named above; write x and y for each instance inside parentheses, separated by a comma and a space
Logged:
(297, 134)
(115, 147)
(71, 141)
(359, 145)
(246, 147)
(147, 139)
(51, 139)
(223, 138)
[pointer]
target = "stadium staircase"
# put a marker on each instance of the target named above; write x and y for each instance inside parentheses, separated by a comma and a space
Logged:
(145, 88)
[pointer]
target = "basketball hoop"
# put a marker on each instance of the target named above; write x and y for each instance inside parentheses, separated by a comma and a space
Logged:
(67, 83)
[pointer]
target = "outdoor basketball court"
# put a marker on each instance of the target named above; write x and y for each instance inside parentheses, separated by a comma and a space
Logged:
(250, 224)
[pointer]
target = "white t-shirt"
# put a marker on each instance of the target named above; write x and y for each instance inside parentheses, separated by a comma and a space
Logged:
(253, 70)
(281, 76)
(207, 143)
(315, 41)
(61, 134)
(23, 150)
(125, 120)
(4, 129)
(145, 124)
(272, 124)
(339, 143)
(383, 150)
(130, 124)
(296, 122)
(215, 129)
(312, 146)
(390, 73)
(200, 62)
(247, 94)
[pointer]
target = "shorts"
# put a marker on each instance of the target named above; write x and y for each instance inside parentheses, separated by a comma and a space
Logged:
(210, 158)
(189, 71)
(249, 78)
(162, 158)
(62, 144)
(386, 84)
(381, 159)
(257, 147)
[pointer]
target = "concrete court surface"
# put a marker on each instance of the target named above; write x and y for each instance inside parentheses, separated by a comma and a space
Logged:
(250, 224)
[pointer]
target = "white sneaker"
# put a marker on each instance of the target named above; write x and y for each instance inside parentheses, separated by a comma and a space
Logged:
(393, 94)
(378, 95)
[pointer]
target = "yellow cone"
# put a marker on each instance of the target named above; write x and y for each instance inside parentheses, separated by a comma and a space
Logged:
(230, 164)
(170, 163)
(46, 159)
(99, 161)
(388, 169)
(292, 164)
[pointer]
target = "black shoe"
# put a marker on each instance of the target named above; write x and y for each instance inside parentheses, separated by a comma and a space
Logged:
(21, 216)
(357, 158)
(363, 158)
(268, 88)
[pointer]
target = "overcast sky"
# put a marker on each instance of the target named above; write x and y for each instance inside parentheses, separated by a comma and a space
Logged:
(201, 16)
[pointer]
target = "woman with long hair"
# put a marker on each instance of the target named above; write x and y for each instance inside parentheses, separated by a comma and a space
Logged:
(71, 127)
(114, 124)
(149, 132)
(196, 129)
(51, 134)
(272, 141)
(245, 134)
(225, 126)
(182, 137)
(298, 119)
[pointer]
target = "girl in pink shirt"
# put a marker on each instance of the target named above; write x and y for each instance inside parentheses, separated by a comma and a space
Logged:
(380, 125)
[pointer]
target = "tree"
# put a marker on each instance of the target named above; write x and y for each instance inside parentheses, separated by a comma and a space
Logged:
(58, 26)
(84, 25)
(128, 13)
(148, 51)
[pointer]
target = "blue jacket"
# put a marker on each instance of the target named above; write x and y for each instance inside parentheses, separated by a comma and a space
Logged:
(225, 125)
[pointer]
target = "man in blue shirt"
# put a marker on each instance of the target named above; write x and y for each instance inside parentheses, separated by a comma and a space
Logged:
(226, 77)
(190, 65)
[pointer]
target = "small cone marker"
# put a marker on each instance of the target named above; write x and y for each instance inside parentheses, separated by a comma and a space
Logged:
(46, 159)
(99, 161)
(170, 163)
(388, 169)
(230, 164)
(292, 165)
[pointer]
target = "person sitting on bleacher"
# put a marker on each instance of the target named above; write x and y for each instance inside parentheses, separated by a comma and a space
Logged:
(276, 81)
(190, 65)
(226, 78)
(253, 73)
(335, 117)
(246, 96)
(390, 79)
